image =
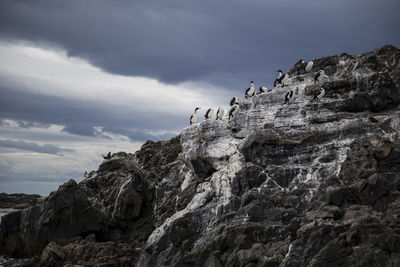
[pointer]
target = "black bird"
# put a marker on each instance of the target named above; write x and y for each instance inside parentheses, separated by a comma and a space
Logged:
(301, 61)
(319, 95)
(231, 112)
(281, 78)
(318, 75)
(193, 118)
(263, 89)
(108, 156)
(209, 113)
(220, 114)
(251, 91)
(234, 101)
(288, 97)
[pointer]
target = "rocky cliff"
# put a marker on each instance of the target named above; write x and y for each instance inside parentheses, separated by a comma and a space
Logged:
(18, 201)
(310, 183)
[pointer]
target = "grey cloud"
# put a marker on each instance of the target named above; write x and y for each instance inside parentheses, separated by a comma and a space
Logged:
(222, 42)
(59, 179)
(80, 117)
(139, 134)
(24, 124)
(42, 187)
(30, 146)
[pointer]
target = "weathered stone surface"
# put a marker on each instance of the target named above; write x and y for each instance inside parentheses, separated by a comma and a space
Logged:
(311, 183)
(64, 214)
(18, 201)
(84, 253)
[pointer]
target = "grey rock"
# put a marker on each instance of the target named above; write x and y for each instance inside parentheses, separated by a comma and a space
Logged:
(18, 201)
(64, 214)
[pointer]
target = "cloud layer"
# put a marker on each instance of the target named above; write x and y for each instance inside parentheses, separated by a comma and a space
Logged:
(30, 146)
(224, 42)
(48, 87)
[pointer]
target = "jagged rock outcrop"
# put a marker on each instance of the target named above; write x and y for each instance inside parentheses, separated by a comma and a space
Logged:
(311, 183)
(64, 215)
(18, 201)
(86, 253)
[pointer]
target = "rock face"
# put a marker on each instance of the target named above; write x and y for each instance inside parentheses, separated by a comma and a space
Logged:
(311, 183)
(65, 214)
(18, 201)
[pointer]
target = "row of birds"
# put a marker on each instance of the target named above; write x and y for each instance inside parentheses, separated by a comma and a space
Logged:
(282, 79)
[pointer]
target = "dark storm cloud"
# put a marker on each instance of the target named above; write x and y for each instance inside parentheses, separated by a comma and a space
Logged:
(222, 42)
(80, 117)
(30, 146)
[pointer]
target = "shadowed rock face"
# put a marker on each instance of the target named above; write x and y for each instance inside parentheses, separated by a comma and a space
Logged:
(63, 215)
(18, 201)
(311, 183)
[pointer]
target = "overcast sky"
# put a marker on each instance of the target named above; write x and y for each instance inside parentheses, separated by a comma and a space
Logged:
(81, 78)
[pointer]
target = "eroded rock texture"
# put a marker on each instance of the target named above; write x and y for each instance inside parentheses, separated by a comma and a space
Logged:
(18, 201)
(311, 183)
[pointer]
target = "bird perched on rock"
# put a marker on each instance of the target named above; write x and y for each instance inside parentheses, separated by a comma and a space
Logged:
(309, 66)
(108, 156)
(281, 79)
(193, 118)
(234, 108)
(319, 95)
(209, 114)
(234, 101)
(299, 64)
(220, 114)
(316, 78)
(251, 91)
(233, 111)
(320, 74)
(289, 97)
(263, 89)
